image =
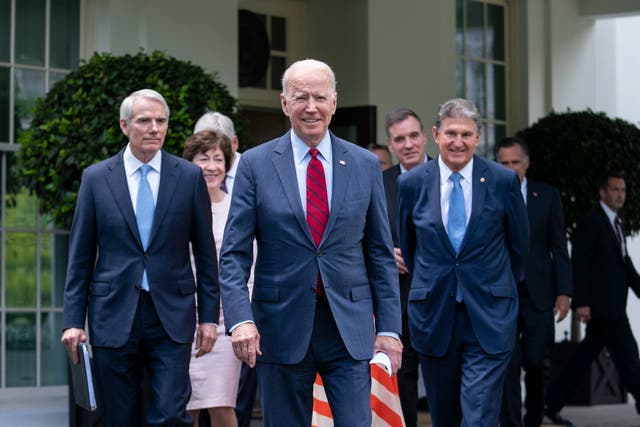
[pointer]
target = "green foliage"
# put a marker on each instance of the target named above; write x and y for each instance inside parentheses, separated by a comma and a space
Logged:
(572, 150)
(76, 124)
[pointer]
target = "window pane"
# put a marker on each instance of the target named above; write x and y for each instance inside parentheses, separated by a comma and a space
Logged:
(64, 35)
(475, 85)
(5, 30)
(55, 78)
(30, 32)
(496, 93)
(459, 28)
(4, 104)
(460, 79)
(29, 87)
(21, 349)
(20, 270)
(21, 212)
(277, 70)
(278, 33)
(53, 356)
(495, 32)
(53, 262)
(475, 29)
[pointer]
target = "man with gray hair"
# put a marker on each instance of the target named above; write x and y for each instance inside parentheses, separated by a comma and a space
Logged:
(218, 122)
(464, 234)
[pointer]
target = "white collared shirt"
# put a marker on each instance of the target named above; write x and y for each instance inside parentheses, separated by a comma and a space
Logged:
(301, 158)
(446, 185)
(131, 166)
(524, 187)
(231, 175)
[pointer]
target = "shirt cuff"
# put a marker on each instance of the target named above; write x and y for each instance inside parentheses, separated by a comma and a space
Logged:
(389, 334)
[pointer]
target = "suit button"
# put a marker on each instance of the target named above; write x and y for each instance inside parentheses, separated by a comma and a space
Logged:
(319, 253)
(452, 294)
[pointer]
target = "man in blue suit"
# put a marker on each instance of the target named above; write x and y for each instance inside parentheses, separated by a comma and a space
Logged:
(129, 268)
(463, 231)
(325, 267)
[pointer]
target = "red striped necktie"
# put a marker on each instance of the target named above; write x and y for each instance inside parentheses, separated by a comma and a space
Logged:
(317, 202)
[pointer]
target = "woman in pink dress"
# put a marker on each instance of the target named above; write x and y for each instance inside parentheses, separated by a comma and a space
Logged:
(214, 376)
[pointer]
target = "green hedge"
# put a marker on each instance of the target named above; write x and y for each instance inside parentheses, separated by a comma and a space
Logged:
(76, 124)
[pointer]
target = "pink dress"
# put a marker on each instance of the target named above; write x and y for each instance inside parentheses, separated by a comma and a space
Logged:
(214, 376)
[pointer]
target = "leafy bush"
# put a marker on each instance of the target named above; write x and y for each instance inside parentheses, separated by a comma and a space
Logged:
(572, 150)
(76, 124)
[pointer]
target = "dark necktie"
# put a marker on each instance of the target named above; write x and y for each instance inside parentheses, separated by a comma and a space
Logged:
(144, 214)
(617, 226)
(317, 203)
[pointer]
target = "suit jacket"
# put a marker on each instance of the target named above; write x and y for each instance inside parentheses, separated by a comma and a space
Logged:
(390, 181)
(601, 275)
(354, 258)
(106, 257)
(492, 251)
(548, 267)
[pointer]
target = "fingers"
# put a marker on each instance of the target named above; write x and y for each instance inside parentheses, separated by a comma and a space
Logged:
(70, 339)
(402, 268)
(245, 340)
(393, 348)
(206, 337)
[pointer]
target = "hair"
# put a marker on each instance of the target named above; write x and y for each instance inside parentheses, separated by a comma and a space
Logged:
(126, 108)
(308, 64)
(374, 146)
(458, 108)
(218, 122)
(201, 142)
(512, 141)
(603, 181)
(400, 115)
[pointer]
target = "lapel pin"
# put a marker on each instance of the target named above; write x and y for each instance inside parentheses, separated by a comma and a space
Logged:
(482, 179)
(535, 194)
(342, 162)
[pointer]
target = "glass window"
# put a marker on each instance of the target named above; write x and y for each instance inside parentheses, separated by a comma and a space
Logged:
(29, 86)
(65, 23)
(5, 30)
(53, 265)
(20, 270)
(30, 32)
(495, 31)
(278, 33)
(276, 27)
(53, 355)
(277, 70)
(475, 26)
(4, 103)
(21, 349)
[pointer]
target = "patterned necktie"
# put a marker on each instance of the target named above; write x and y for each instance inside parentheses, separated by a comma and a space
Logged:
(144, 214)
(317, 203)
(617, 226)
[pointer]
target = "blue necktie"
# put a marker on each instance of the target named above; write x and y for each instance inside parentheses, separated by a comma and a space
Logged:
(457, 219)
(144, 214)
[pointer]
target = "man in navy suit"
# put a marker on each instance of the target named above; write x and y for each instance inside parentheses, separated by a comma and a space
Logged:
(544, 290)
(464, 235)
(406, 139)
(133, 276)
(602, 276)
(325, 268)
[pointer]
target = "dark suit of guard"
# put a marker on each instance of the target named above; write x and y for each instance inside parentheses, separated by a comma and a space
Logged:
(547, 274)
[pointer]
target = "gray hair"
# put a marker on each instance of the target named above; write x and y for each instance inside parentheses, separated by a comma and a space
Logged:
(399, 115)
(458, 108)
(217, 122)
(309, 64)
(126, 108)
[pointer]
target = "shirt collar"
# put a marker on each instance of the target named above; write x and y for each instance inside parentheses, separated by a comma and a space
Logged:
(131, 162)
(300, 149)
(403, 169)
(610, 213)
(445, 172)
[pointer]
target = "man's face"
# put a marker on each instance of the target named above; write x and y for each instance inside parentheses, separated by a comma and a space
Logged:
(407, 141)
(309, 101)
(147, 128)
(457, 140)
(615, 193)
(513, 158)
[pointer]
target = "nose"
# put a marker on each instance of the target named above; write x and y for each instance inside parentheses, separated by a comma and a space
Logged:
(311, 104)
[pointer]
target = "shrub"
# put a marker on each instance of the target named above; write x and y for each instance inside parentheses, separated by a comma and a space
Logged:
(76, 123)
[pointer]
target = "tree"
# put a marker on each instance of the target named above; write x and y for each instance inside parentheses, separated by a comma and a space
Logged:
(572, 150)
(76, 123)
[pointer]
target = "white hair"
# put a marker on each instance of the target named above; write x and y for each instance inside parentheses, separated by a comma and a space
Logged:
(217, 122)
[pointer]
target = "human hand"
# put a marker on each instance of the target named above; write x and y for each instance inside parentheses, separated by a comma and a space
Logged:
(402, 268)
(583, 313)
(70, 339)
(245, 340)
(206, 336)
(392, 347)
(562, 307)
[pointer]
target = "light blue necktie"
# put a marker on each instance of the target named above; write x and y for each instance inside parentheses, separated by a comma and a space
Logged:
(457, 219)
(144, 214)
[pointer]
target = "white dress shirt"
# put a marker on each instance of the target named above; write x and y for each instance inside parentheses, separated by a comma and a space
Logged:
(131, 166)
(446, 185)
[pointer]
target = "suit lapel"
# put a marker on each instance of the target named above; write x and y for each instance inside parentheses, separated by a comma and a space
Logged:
(168, 179)
(481, 177)
(117, 182)
(432, 180)
(341, 176)
(283, 163)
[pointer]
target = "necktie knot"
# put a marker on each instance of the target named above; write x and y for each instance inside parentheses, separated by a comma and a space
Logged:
(618, 221)
(455, 177)
(144, 170)
(313, 152)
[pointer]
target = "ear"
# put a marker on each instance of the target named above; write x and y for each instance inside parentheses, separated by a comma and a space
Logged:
(284, 104)
(434, 132)
(123, 127)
